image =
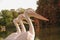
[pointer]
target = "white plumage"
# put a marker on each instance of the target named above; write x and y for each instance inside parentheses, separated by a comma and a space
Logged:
(14, 35)
(30, 35)
(26, 35)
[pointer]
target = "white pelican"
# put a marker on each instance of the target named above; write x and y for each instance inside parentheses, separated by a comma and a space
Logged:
(29, 35)
(25, 35)
(13, 36)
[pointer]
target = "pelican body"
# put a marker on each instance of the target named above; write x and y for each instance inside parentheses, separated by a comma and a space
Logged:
(14, 35)
(17, 22)
(30, 34)
(22, 34)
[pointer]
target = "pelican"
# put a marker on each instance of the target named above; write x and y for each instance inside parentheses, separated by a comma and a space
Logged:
(14, 35)
(30, 35)
(17, 22)
(23, 34)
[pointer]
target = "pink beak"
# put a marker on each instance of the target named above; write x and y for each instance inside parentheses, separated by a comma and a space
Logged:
(37, 16)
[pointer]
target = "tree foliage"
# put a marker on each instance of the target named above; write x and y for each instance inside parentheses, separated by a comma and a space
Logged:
(7, 21)
(51, 10)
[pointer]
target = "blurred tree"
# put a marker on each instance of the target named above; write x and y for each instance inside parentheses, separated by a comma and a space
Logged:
(14, 13)
(20, 10)
(7, 17)
(37, 27)
(51, 10)
(1, 15)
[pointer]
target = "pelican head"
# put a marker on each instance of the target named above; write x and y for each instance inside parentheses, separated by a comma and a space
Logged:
(32, 13)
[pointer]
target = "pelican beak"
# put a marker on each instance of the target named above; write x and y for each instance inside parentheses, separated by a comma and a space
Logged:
(37, 16)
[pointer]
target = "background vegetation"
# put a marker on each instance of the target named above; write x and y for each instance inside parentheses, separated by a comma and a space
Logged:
(6, 22)
(44, 30)
(51, 10)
